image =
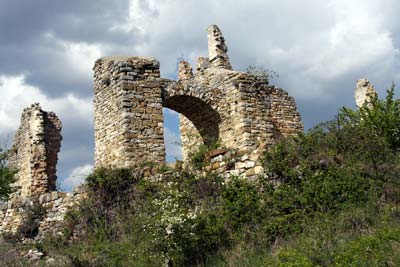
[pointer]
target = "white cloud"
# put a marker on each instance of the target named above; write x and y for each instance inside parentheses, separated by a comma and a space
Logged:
(312, 45)
(81, 57)
(172, 145)
(15, 95)
(77, 176)
(77, 57)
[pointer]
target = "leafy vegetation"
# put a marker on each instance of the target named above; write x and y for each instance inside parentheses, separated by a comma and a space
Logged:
(6, 176)
(198, 157)
(329, 197)
(264, 74)
(380, 117)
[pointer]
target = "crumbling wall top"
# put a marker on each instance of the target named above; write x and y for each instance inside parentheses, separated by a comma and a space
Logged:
(139, 61)
(364, 92)
(217, 49)
(34, 151)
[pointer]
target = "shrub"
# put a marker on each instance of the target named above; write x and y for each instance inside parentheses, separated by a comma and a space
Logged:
(241, 204)
(29, 227)
(380, 117)
(261, 72)
(6, 176)
(329, 197)
(378, 249)
(198, 157)
(10, 256)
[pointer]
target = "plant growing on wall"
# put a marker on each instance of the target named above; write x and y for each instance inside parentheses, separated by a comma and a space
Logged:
(263, 73)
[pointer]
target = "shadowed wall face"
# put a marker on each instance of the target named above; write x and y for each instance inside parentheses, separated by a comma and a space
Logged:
(198, 122)
(204, 118)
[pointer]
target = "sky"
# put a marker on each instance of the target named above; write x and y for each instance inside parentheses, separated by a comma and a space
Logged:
(318, 48)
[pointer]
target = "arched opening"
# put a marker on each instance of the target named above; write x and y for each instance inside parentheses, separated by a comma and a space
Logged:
(199, 122)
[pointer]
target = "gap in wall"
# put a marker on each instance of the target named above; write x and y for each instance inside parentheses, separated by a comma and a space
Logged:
(172, 135)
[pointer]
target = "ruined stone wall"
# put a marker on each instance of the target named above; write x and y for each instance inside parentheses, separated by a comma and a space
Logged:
(364, 92)
(128, 112)
(55, 206)
(190, 137)
(240, 111)
(205, 101)
(34, 152)
(252, 114)
(284, 115)
(217, 49)
(254, 108)
(217, 104)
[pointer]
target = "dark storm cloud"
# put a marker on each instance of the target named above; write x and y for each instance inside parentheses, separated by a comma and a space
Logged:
(33, 34)
(24, 21)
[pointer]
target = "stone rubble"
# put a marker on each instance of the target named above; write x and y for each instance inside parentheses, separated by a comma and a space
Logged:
(34, 255)
(55, 204)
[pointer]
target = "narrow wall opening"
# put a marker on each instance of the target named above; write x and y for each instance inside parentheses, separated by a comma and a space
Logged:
(172, 135)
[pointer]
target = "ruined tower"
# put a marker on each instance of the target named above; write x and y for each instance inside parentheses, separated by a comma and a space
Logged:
(34, 151)
(364, 92)
(128, 112)
(238, 110)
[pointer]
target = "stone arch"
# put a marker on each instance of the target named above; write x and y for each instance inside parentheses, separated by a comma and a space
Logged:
(238, 109)
(202, 115)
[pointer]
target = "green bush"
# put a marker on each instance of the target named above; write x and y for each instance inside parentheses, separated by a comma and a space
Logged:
(381, 248)
(241, 204)
(380, 117)
(6, 176)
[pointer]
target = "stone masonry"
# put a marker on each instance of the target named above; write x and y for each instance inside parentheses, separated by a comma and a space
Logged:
(34, 152)
(238, 110)
(34, 155)
(364, 92)
(217, 49)
(128, 111)
(55, 206)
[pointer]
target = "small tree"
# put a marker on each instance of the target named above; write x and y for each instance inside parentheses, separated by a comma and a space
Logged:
(6, 176)
(381, 117)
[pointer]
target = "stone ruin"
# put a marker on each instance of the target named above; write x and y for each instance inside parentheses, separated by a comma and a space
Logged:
(34, 152)
(364, 92)
(240, 111)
